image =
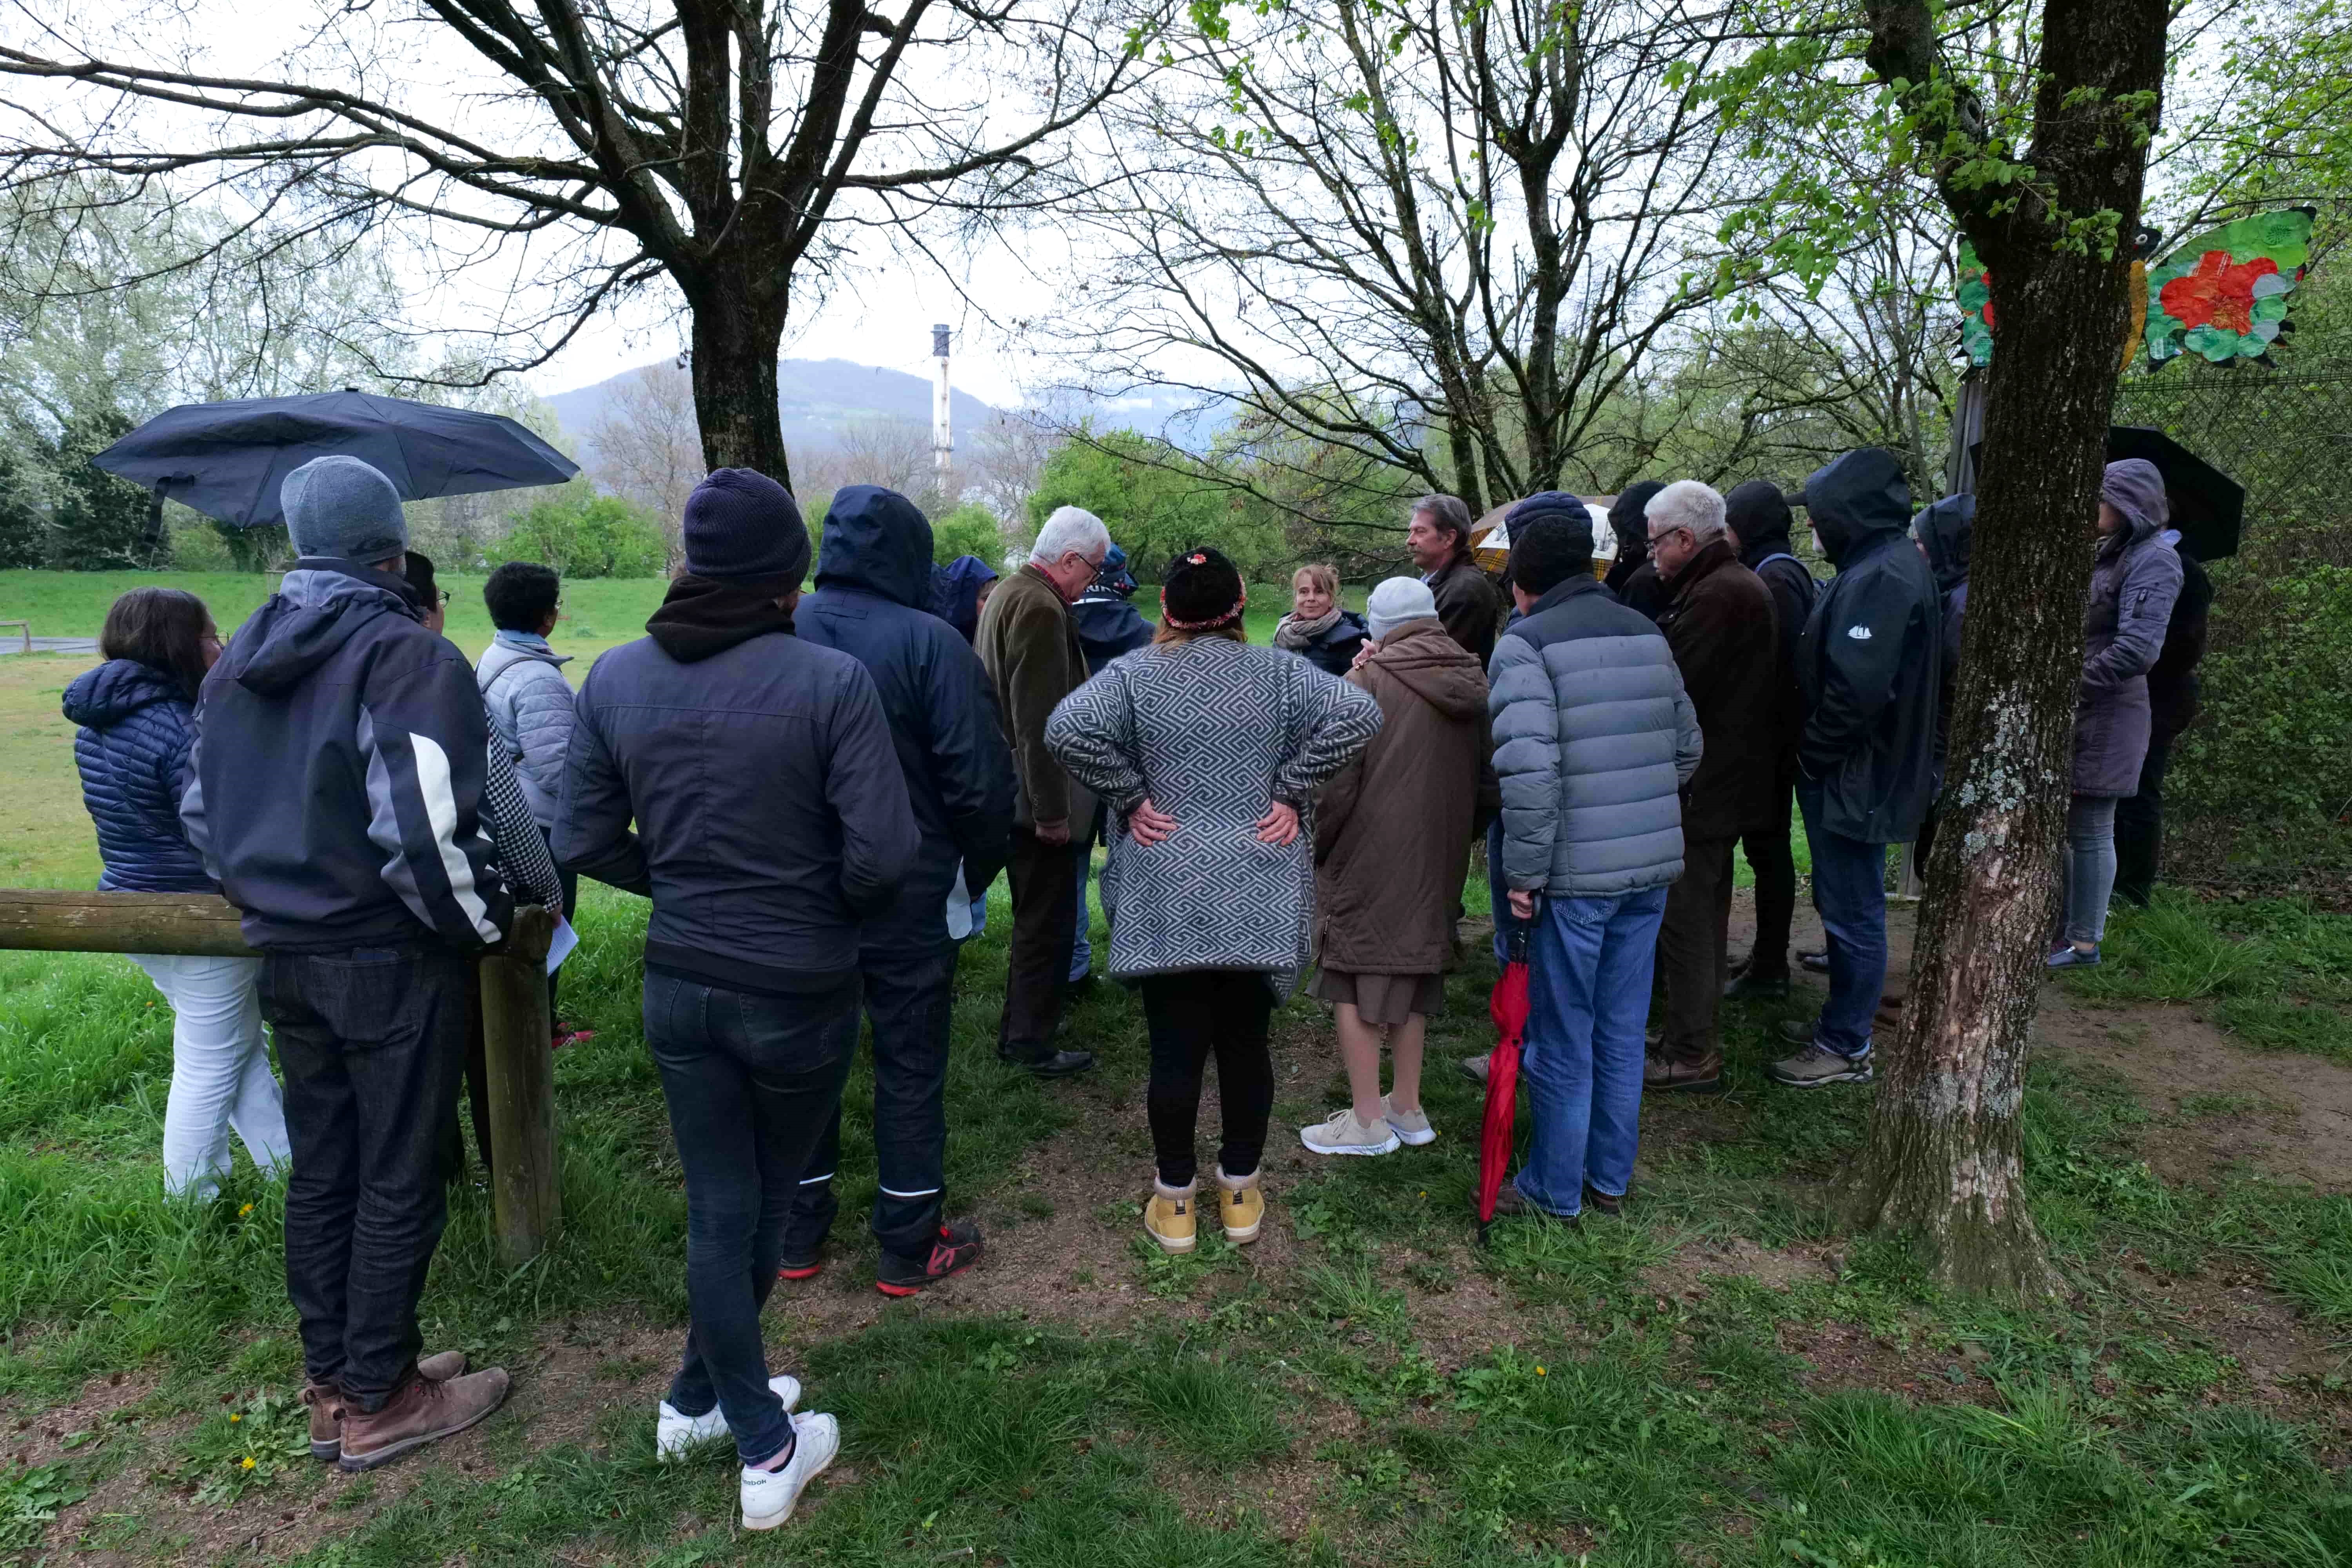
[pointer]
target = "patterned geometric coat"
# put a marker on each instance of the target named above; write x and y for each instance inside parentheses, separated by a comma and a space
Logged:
(1213, 732)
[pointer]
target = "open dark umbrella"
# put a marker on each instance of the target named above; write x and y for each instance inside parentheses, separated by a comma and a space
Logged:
(2209, 507)
(227, 459)
(1509, 1007)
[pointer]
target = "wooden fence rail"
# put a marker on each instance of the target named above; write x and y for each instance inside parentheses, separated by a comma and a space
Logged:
(525, 1195)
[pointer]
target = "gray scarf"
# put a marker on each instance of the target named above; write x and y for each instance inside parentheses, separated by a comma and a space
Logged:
(1294, 633)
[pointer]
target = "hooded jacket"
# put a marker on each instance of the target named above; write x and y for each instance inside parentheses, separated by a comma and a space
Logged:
(1629, 519)
(1871, 660)
(337, 770)
(1719, 625)
(136, 728)
(1759, 513)
(1108, 626)
(1594, 738)
(2133, 584)
(955, 593)
(873, 574)
(770, 808)
(1392, 827)
(1945, 531)
(530, 715)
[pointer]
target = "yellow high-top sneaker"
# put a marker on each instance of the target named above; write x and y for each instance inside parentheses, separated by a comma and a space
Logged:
(1169, 1215)
(1241, 1206)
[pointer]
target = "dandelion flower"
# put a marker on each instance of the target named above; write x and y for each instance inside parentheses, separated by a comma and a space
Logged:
(236, 1415)
(245, 1211)
(246, 1463)
(1541, 1373)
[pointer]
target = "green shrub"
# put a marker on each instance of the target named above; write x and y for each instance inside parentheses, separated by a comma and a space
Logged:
(969, 529)
(589, 536)
(1157, 499)
(2272, 740)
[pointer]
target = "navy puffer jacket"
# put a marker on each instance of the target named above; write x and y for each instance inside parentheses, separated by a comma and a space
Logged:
(132, 750)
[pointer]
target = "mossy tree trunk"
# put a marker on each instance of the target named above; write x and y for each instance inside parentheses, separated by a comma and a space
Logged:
(1942, 1164)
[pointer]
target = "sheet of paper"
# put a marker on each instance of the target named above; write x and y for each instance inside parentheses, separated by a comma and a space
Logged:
(560, 945)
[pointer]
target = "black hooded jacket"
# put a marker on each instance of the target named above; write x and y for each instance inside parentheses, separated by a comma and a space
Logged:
(1944, 532)
(338, 769)
(1635, 588)
(1759, 513)
(873, 579)
(1871, 660)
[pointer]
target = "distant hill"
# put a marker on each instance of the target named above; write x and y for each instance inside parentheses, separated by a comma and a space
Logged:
(820, 398)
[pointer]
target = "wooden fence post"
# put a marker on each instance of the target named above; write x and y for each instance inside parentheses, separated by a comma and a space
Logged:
(516, 1029)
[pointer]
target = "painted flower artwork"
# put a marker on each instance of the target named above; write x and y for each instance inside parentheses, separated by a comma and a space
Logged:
(2223, 295)
(1976, 307)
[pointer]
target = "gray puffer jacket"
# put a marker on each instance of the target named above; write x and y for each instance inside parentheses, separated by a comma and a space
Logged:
(2133, 587)
(531, 716)
(1594, 738)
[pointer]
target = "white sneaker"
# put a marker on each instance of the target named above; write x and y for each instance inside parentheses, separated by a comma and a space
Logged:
(768, 1495)
(1413, 1126)
(675, 1435)
(1341, 1133)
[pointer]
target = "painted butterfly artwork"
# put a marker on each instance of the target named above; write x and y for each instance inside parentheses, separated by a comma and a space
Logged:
(2222, 295)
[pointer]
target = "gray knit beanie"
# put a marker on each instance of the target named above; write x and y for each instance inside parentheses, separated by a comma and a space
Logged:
(341, 509)
(1397, 600)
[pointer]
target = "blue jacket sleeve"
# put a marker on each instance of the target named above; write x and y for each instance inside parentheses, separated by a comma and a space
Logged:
(970, 762)
(1865, 638)
(591, 832)
(1525, 713)
(2143, 611)
(867, 788)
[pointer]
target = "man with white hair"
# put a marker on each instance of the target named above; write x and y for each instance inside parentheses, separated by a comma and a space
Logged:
(1718, 621)
(1029, 643)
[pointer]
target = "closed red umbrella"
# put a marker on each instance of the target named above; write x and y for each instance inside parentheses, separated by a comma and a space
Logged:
(1509, 1007)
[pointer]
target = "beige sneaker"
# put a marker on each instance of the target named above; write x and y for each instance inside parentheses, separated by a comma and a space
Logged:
(325, 1399)
(1813, 1067)
(422, 1411)
(1475, 1067)
(1242, 1205)
(1412, 1126)
(1169, 1215)
(1341, 1133)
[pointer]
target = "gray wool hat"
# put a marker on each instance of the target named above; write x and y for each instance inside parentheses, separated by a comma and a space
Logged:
(343, 509)
(1396, 602)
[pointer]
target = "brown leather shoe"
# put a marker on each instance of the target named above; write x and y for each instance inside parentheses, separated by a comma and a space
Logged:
(420, 1410)
(325, 1399)
(1705, 1075)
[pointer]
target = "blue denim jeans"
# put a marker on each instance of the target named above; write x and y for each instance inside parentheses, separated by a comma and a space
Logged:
(2090, 867)
(752, 1083)
(1850, 895)
(1589, 998)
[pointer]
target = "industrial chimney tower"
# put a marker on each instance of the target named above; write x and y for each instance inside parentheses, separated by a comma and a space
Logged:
(942, 440)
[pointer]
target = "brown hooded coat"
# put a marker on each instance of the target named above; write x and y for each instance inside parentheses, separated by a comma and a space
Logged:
(1392, 829)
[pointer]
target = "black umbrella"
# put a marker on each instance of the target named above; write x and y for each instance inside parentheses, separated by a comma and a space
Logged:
(228, 459)
(2209, 507)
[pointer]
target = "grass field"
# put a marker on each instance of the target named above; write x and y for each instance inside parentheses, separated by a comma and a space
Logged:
(1722, 1378)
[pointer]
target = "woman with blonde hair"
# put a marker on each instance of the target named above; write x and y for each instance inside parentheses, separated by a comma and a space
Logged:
(1208, 753)
(1317, 629)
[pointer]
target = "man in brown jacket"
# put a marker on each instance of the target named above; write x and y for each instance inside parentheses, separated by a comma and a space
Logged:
(1718, 620)
(1030, 646)
(1437, 536)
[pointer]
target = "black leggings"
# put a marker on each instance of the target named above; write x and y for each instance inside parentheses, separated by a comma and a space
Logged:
(1192, 1015)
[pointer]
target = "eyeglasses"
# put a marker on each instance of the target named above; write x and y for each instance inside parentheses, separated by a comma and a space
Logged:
(445, 596)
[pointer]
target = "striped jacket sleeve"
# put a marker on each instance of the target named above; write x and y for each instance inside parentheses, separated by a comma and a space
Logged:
(424, 744)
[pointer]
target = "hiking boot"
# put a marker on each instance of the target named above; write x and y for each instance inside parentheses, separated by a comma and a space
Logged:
(808, 1266)
(1509, 1200)
(1799, 1031)
(677, 1436)
(2072, 957)
(420, 1410)
(1748, 988)
(1411, 1126)
(1663, 1076)
(1608, 1204)
(1819, 963)
(323, 1398)
(1169, 1215)
(1813, 1067)
(1474, 1069)
(767, 1496)
(1242, 1205)
(1046, 1062)
(953, 1250)
(1341, 1133)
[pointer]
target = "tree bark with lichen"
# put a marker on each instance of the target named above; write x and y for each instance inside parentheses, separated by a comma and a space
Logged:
(1942, 1162)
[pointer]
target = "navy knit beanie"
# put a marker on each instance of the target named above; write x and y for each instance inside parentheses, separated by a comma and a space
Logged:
(1557, 506)
(740, 523)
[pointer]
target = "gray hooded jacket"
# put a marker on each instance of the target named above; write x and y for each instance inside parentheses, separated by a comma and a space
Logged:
(2133, 587)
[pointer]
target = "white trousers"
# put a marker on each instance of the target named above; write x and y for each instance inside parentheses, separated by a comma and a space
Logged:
(220, 1072)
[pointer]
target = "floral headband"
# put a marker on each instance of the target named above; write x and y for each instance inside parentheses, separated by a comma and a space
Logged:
(1197, 559)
